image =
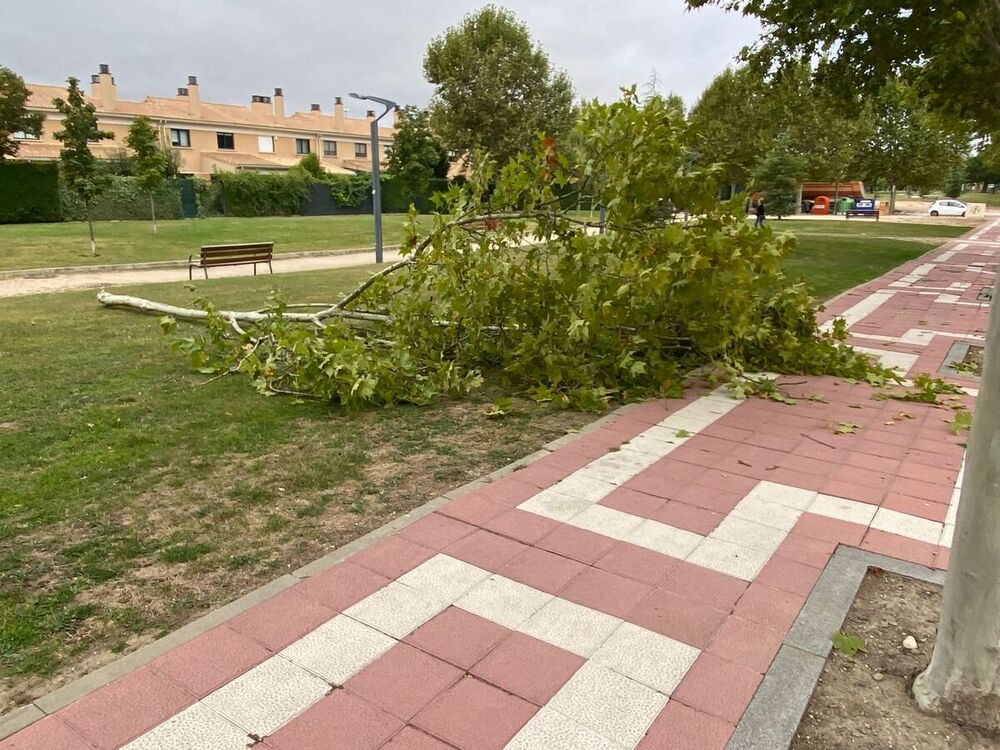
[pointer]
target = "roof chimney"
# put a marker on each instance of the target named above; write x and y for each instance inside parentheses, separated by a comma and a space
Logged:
(194, 97)
(338, 113)
(95, 86)
(106, 87)
(314, 108)
(370, 114)
(279, 105)
(261, 105)
(181, 91)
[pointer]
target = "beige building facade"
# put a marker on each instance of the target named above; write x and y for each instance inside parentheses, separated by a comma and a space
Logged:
(211, 137)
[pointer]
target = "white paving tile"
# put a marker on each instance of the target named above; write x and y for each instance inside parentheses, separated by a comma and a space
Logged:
(649, 447)
(843, 509)
(261, 700)
(947, 535)
(690, 424)
(618, 467)
(611, 704)
(607, 521)
(782, 494)
(570, 626)
(665, 539)
(661, 434)
(748, 534)
(583, 487)
(654, 660)
(444, 577)
(197, 726)
(732, 559)
(550, 730)
(397, 609)
(338, 649)
(555, 505)
(766, 513)
(906, 525)
(504, 601)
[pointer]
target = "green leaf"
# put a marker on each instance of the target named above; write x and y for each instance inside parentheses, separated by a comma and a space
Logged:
(848, 645)
(682, 433)
(961, 421)
(844, 428)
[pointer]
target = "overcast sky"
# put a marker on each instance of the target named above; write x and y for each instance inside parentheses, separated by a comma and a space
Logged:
(318, 49)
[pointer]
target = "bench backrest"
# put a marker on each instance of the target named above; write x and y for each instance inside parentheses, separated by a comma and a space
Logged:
(220, 255)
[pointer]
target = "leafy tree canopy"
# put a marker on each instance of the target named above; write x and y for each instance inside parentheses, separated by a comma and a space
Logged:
(950, 49)
(779, 176)
(78, 164)
(417, 155)
(496, 89)
(149, 162)
(14, 118)
(541, 302)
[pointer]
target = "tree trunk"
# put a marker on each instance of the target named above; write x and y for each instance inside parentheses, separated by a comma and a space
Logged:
(836, 196)
(152, 209)
(892, 197)
(963, 679)
(90, 227)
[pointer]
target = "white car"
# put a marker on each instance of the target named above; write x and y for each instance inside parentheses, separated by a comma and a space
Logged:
(947, 207)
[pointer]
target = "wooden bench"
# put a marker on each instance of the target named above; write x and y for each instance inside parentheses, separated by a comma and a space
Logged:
(232, 255)
(853, 212)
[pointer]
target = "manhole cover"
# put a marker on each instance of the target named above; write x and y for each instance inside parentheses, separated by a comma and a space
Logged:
(985, 294)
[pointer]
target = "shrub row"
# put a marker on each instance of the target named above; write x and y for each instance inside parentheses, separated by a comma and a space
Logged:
(122, 200)
(29, 192)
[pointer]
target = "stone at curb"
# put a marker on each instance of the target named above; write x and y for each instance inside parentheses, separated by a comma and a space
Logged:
(19, 718)
(140, 657)
(832, 596)
(43, 273)
(776, 710)
(465, 489)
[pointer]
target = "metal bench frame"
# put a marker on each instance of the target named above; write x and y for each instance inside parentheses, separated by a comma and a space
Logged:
(232, 255)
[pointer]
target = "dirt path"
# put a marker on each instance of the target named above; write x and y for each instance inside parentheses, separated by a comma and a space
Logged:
(21, 286)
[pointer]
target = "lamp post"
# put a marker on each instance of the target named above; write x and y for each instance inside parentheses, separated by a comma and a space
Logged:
(376, 176)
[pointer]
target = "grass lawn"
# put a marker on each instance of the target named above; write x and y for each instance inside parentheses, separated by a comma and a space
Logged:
(990, 199)
(866, 228)
(135, 495)
(67, 244)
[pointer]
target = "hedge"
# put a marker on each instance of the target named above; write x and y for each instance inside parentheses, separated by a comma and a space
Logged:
(254, 194)
(397, 199)
(29, 192)
(122, 200)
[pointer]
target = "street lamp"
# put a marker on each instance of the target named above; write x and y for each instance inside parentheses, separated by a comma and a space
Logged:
(376, 176)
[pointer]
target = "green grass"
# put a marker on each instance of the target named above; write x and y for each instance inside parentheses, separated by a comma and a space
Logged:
(865, 228)
(67, 244)
(990, 199)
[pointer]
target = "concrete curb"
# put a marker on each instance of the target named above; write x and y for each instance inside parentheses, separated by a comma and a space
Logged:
(44, 273)
(23, 716)
(773, 716)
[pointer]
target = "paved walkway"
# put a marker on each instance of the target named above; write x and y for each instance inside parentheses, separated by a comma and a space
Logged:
(64, 282)
(627, 590)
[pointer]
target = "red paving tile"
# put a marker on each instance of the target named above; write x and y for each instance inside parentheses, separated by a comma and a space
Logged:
(48, 733)
(806, 550)
(542, 570)
(339, 720)
(701, 688)
(769, 606)
(634, 502)
(943, 558)
(210, 661)
(391, 557)
(829, 529)
(281, 619)
(606, 592)
(900, 547)
(540, 474)
(916, 507)
(679, 727)
(346, 583)
(746, 643)
(520, 525)
(403, 681)
(473, 509)
(637, 563)
(124, 709)
(717, 590)
(458, 637)
(528, 668)
(581, 545)
(485, 550)
(473, 715)
(688, 517)
(414, 739)
(509, 490)
(677, 617)
(436, 531)
(788, 575)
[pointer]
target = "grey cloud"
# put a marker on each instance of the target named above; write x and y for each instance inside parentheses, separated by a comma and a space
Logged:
(317, 50)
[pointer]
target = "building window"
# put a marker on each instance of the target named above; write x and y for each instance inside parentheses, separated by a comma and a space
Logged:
(302, 145)
(20, 135)
(226, 141)
(265, 144)
(180, 138)
(329, 148)
(361, 149)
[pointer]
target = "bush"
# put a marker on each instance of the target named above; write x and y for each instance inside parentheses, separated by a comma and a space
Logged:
(208, 195)
(349, 190)
(253, 194)
(397, 197)
(29, 192)
(123, 199)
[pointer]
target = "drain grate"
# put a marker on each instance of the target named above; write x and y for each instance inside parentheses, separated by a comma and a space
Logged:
(985, 294)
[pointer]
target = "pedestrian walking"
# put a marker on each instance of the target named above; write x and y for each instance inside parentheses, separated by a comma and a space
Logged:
(760, 213)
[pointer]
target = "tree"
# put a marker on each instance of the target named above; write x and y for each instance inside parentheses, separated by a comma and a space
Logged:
(14, 118)
(496, 89)
(310, 166)
(417, 155)
(951, 50)
(149, 162)
(78, 165)
(779, 177)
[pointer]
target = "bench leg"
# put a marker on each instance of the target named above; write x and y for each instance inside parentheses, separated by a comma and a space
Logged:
(190, 272)
(206, 272)
(254, 269)
(269, 267)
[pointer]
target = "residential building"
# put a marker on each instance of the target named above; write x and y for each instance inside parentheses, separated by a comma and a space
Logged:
(214, 137)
